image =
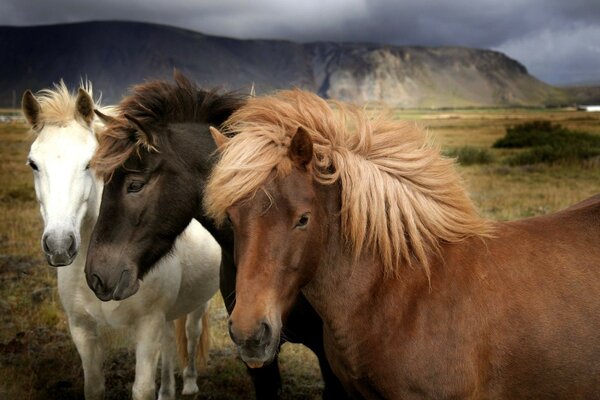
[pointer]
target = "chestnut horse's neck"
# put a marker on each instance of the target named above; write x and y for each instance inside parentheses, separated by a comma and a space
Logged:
(343, 283)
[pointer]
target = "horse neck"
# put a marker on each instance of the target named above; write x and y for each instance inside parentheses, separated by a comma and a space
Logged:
(195, 144)
(342, 282)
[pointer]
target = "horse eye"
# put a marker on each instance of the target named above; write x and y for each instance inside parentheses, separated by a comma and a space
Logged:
(32, 165)
(135, 186)
(303, 221)
(87, 166)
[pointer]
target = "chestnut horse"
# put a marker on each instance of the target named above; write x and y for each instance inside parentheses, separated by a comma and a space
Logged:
(156, 155)
(420, 297)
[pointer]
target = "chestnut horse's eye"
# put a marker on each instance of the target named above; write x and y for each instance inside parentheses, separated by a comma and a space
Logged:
(303, 221)
(32, 165)
(135, 186)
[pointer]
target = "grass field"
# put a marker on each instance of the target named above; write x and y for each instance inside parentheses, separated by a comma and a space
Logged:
(37, 358)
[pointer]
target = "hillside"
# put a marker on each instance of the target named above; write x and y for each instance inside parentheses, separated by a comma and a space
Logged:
(115, 55)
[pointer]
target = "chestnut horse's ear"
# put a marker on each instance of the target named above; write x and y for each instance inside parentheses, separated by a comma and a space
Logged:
(301, 148)
(31, 108)
(218, 137)
(142, 134)
(84, 106)
(106, 119)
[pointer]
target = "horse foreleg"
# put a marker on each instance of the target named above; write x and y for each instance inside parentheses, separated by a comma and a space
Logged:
(193, 330)
(150, 331)
(267, 381)
(167, 354)
(85, 336)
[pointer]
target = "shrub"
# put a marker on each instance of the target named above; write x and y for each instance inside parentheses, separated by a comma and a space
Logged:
(548, 143)
(469, 155)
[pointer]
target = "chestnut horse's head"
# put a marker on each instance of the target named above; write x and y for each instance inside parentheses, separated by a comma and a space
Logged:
(154, 155)
(306, 183)
(279, 234)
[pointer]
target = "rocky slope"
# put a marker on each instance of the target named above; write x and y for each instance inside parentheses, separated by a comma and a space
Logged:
(115, 55)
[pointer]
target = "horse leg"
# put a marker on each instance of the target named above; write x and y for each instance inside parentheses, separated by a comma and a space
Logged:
(150, 330)
(193, 330)
(167, 355)
(304, 325)
(266, 380)
(85, 336)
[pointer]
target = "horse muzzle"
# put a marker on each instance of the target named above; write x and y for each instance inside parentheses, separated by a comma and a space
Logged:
(258, 347)
(105, 288)
(60, 249)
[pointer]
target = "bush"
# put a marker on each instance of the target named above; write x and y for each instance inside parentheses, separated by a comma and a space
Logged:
(549, 143)
(469, 155)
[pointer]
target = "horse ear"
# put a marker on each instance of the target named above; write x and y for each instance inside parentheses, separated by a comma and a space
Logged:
(218, 137)
(106, 119)
(142, 134)
(301, 148)
(84, 106)
(31, 108)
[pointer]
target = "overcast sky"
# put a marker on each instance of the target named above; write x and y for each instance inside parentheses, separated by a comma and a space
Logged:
(557, 40)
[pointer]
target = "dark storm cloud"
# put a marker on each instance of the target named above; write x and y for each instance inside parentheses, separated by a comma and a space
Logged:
(558, 40)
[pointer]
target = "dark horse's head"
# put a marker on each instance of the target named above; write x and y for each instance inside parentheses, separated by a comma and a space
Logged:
(154, 156)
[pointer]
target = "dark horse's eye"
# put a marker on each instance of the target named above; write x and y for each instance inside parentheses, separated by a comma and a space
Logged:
(303, 221)
(135, 186)
(32, 165)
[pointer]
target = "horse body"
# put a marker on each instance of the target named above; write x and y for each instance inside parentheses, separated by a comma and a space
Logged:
(420, 297)
(159, 153)
(69, 197)
(510, 317)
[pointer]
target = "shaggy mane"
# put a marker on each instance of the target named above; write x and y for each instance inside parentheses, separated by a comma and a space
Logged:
(400, 198)
(156, 104)
(58, 104)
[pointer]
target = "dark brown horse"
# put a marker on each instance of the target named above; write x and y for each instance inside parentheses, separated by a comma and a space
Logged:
(420, 297)
(156, 156)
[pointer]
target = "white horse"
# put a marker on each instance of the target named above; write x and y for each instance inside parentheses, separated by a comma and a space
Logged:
(182, 283)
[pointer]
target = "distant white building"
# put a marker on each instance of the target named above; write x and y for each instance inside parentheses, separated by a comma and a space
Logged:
(589, 108)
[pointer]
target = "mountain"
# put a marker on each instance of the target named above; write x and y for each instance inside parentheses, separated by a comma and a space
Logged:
(115, 55)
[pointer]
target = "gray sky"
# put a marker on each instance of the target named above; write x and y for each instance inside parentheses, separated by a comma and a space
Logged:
(557, 40)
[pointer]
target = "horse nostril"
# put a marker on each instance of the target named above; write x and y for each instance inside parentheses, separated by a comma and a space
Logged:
(45, 246)
(97, 285)
(231, 335)
(264, 332)
(72, 246)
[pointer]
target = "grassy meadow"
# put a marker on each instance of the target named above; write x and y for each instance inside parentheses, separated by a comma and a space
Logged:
(38, 359)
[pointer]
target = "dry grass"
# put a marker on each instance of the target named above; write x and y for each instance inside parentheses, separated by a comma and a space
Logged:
(41, 361)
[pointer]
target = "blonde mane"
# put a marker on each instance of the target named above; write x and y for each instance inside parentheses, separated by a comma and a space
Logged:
(400, 198)
(58, 105)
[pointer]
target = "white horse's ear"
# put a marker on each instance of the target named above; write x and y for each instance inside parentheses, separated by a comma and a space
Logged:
(252, 91)
(31, 109)
(218, 137)
(301, 148)
(141, 133)
(84, 106)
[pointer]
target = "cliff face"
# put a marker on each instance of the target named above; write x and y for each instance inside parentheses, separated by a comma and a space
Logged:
(115, 55)
(427, 77)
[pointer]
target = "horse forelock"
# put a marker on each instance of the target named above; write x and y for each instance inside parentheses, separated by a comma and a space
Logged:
(155, 105)
(58, 104)
(400, 198)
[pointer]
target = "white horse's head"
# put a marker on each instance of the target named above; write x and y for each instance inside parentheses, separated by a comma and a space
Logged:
(66, 188)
